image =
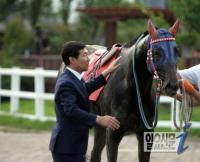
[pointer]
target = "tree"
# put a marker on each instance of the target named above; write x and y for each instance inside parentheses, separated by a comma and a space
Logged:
(188, 11)
(15, 40)
(8, 7)
(38, 8)
(65, 9)
(29, 9)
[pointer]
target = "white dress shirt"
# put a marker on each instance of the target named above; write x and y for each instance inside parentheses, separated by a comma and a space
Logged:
(77, 74)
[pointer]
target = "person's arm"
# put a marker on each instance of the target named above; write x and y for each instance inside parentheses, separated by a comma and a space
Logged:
(196, 94)
(68, 101)
(113, 66)
(98, 82)
(108, 122)
(191, 90)
(179, 97)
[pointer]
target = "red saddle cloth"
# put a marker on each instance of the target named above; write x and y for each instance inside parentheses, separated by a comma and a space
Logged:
(94, 58)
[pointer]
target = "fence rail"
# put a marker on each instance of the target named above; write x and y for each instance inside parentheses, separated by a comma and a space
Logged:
(15, 92)
(39, 95)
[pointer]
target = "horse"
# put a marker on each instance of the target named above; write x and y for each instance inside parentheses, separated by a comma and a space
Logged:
(151, 56)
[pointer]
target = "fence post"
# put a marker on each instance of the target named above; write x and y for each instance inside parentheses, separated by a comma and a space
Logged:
(15, 84)
(177, 112)
(172, 115)
(39, 90)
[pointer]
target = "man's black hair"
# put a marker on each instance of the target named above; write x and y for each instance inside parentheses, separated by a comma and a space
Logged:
(71, 49)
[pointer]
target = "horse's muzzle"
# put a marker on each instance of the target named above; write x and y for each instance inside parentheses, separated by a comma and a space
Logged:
(170, 89)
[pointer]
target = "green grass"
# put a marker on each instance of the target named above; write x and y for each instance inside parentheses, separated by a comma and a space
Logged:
(196, 114)
(16, 122)
(27, 106)
(164, 112)
(49, 108)
(194, 132)
(5, 106)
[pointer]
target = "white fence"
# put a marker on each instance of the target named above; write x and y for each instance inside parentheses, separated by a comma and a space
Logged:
(15, 93)
(39, 94)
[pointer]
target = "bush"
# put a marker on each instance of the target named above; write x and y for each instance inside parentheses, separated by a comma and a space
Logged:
(58, 34)
(15, 40)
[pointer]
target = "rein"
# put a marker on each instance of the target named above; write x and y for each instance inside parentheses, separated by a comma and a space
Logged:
(97, 65)
(99, 62)
(184, 114)
(150, 62)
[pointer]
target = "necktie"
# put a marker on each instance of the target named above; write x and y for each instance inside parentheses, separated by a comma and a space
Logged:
(82, 80)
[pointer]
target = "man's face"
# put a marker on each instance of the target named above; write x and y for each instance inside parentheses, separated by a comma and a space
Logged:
(82, 62)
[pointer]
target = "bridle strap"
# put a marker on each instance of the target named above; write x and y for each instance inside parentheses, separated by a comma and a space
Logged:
(162, 39)
(151, 63)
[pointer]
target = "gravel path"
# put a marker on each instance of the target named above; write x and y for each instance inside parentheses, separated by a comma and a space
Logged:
(33, 147)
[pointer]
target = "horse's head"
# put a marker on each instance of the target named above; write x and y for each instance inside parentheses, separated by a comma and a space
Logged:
(162, 56)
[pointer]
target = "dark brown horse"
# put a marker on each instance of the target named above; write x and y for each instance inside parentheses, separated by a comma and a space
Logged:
(130, 88)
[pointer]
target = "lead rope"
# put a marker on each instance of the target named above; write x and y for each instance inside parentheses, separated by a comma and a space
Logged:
(97, 65)
(185, 114)
(185, 111)
(159, 84)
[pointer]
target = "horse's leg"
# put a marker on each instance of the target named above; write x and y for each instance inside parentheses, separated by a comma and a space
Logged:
(99, 143)
(113, 139)
(143, 156)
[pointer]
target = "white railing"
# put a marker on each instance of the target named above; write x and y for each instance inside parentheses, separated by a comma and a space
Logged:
(39, 95)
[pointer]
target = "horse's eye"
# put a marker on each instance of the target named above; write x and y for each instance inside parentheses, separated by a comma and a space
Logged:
(177, 51)
(157, 54)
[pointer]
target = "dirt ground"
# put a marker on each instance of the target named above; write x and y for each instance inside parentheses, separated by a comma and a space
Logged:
(21, 146)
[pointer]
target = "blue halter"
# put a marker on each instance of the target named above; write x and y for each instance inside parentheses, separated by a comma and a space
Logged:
(167, 43)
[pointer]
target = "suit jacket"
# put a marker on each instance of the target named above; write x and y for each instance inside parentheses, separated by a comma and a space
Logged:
(73, 119)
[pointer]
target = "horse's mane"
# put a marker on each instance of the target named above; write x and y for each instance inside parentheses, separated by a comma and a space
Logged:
(133, 41)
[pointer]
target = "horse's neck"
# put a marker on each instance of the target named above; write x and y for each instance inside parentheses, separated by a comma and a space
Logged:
(144, 78)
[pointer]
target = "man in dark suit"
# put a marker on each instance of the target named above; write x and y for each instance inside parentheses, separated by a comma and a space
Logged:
(70, 135)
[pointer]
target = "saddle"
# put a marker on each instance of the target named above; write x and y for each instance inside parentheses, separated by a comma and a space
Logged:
(100, 59)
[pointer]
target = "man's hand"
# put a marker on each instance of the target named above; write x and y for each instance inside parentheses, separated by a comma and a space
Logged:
(188, 86)
(114, 65)
(108, 122)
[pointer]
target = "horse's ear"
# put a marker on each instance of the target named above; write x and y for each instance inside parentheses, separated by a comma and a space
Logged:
(174, 29)
(152, 30)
